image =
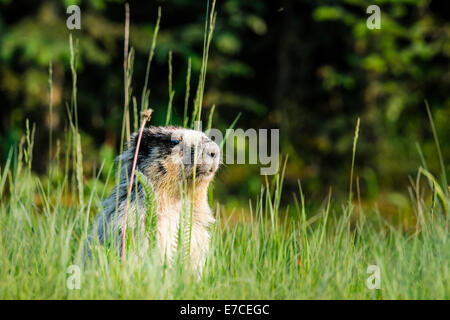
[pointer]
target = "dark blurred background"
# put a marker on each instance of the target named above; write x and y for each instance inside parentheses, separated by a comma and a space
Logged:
(310, 68)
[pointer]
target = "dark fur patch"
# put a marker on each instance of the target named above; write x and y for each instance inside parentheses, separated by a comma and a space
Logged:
(192, 156)
(161, 168)
(153, 137)
(165, 148)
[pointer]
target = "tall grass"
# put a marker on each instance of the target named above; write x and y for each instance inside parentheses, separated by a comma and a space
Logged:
(273, 252)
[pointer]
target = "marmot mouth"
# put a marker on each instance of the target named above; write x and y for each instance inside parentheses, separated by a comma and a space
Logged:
(203, 173)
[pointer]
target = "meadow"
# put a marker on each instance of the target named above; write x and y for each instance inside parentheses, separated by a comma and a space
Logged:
(272, 254)
(267, 251)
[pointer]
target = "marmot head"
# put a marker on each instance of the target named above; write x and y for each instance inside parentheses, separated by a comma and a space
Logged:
(169, 155)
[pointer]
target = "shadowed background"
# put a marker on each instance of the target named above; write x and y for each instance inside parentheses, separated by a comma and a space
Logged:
(310, 68)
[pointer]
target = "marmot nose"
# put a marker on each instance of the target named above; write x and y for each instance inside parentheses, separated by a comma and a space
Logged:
(212, 150)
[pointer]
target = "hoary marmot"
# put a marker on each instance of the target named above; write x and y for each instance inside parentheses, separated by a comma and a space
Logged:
(166, 159)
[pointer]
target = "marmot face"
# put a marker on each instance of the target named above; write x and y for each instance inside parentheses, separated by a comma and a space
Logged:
(172, 154)
(168, 157)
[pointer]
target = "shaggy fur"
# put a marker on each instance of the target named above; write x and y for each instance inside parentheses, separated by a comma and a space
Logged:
(166, 158)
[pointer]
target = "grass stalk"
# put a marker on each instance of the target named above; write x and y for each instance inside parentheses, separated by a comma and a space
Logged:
(145, 91)
(186, 97)
(171, 92)
(438, 149)
(355, 141)
(146, 115)
(125, 69)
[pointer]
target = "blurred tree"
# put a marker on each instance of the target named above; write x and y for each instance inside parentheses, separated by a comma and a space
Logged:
(307, 67)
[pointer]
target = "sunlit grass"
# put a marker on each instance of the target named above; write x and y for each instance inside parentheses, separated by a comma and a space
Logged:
(272, 255)
(273, 252)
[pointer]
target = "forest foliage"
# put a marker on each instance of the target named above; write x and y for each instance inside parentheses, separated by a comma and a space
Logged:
(310, 68)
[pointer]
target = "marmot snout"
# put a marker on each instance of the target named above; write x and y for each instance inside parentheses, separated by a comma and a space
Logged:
(169, 157)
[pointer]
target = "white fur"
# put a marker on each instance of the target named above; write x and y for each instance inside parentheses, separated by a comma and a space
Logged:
(178, 201)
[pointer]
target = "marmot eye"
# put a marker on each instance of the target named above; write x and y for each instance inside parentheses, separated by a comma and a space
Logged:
(175, 141)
